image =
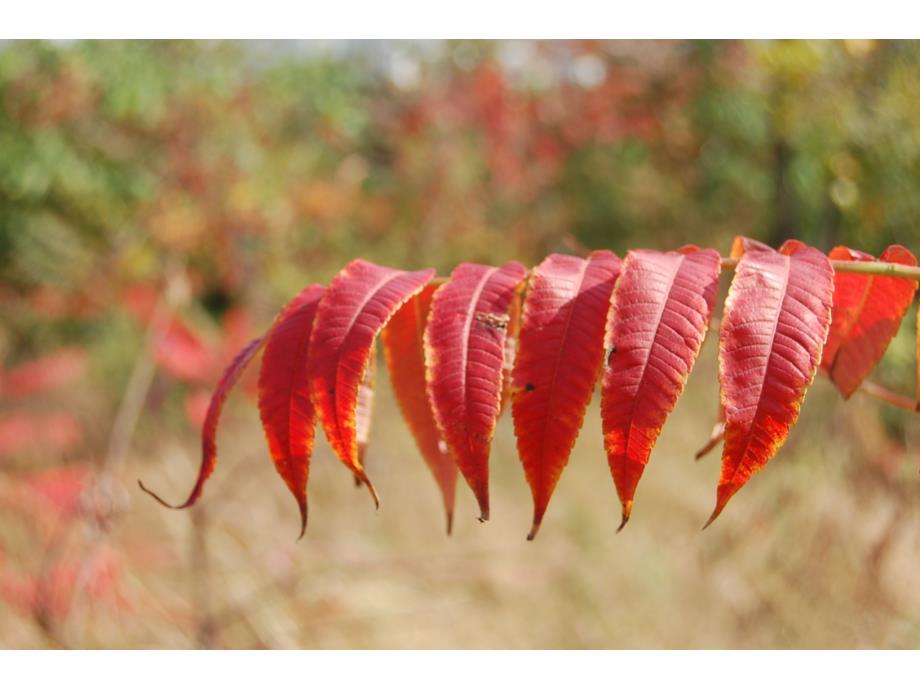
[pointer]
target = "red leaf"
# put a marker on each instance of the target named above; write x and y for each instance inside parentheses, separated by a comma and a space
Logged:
(357, 305)
(45, 373)
(284, 395)
(658, 318)
(183, 353)
(465, 353)
(867, 312)
(39, 432)
(209, 430)
(560, 355)
(776, 320)
(403, 347)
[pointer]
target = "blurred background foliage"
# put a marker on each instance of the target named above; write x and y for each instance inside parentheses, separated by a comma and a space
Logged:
(160, 200)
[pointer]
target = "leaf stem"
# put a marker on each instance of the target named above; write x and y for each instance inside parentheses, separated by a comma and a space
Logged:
(878, 268)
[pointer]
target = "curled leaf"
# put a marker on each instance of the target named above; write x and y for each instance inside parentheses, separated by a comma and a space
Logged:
(404, 350)
(558, 360)
(356, 306)
(209, 429)
(658, 318)
(776, 320)
(285, 407)
(465, 353)
(867, 312)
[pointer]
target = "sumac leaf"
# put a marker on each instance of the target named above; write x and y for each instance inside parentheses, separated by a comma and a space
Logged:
(285, 406)
(404, 350)
(357, 305)
(558, 360)
(209, 430)
(775, 322)
(659, 315)
(465, 353)
(867, 312)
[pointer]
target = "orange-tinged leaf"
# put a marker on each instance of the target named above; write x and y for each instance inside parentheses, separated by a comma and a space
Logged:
(743, 244)
(867, 312)
(659, 315)
(209, 430)
(403, 346)
(285, 406)
(558, 360)
(357, 305)
(776, 320)
(465, 352)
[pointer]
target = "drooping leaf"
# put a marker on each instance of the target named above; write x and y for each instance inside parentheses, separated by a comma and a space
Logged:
(285, 406)
(659, 315)
(775, 322)
(558, 360)
(209, 431)
(357, 305)
(867, 312)
(465, 352)
(403, 346)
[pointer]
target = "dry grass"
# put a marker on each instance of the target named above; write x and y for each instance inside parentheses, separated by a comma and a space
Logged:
(819, 551)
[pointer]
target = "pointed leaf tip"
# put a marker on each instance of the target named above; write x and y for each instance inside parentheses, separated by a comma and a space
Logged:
(560, 353)
(659, 315)
(404, 351)
(285, 409)
(465, 339)
(357, 305)
(231, 374)
(776, 319)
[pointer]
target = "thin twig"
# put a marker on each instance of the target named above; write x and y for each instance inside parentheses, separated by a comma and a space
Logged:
(878, 268)
(889, 396)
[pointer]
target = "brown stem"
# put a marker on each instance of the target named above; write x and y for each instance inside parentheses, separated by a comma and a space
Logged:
(876, 268)
(889, 396)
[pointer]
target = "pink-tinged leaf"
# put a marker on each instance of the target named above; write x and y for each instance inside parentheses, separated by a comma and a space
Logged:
(560, 355)
(776, 320)
(209, 430)
(867, 312)
(182, 353)
(403, 346)
(41, 432)
(285, 406)
(43, 374)
(358, 303)
(659, 315)
(465, 354)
